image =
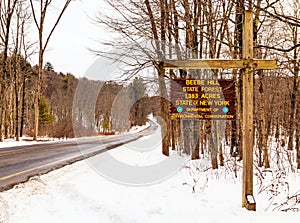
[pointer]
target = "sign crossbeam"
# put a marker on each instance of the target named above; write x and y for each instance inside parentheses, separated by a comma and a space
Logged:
(248, 64)
(220, 64)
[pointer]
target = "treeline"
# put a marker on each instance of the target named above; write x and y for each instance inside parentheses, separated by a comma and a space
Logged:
(82, 107)
(37, 98)
(16, 18)
(16, 98)
(65, 104)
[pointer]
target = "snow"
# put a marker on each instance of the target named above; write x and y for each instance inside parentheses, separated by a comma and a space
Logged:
(82, 192)
(23, 141)
(28, 141)
(250, 199)
(136, 129)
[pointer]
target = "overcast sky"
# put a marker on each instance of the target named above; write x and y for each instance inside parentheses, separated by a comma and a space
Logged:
(68, 47)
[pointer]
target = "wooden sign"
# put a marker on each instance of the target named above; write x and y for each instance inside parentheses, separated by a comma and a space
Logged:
(202, 99)
(248, 64)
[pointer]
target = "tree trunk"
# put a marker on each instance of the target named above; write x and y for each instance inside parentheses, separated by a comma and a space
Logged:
(298, 127)
(5, 74)
(294, 94)
(297, 105)
(17, 118)
(22, 115)
(238, 53)
(214, 145)
(196, 140)
(298, 139)
(263, 132)
(37, 94)
(219, 142)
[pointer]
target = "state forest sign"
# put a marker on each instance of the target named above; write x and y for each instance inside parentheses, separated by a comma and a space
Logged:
(202, 99)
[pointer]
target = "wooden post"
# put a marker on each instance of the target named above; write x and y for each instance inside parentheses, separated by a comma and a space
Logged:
(247, 64)
(247, 125)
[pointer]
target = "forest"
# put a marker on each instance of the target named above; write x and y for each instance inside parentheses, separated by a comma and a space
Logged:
(153, 31)
(37, 97)
(38, 101)
(56, 105)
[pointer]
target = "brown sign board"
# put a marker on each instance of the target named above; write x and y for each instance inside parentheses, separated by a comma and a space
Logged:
(202, 99)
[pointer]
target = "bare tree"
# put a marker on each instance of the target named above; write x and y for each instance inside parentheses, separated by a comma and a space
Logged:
(281, 24)
(7, 9)
(39, 14)
(181, 29)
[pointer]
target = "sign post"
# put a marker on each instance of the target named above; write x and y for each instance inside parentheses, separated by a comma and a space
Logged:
(248, 65)
(247, 123)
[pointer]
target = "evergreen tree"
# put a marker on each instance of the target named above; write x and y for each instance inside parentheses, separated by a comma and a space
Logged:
(48, 67)
(139, 92)
(45, 118)
(139, 88)
(106, 125)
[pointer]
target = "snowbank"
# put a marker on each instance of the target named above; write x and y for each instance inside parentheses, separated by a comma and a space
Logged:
(78, 194)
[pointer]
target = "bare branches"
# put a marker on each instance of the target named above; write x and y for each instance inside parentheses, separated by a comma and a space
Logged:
(57, 21)
(44, 4)
(43, 10)
(34, 15)
(291, 20)
(279, 49)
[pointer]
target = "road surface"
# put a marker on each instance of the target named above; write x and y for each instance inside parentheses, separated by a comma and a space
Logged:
(18, 164)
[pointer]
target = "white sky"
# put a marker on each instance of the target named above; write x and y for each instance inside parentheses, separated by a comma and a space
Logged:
(68, 48)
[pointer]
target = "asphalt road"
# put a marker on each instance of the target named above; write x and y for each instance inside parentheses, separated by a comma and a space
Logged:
(18, 164)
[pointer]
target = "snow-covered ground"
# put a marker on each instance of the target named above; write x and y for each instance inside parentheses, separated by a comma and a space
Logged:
(25, 141)
(82, 193)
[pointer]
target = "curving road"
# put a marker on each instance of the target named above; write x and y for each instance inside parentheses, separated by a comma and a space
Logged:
(18, 164)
